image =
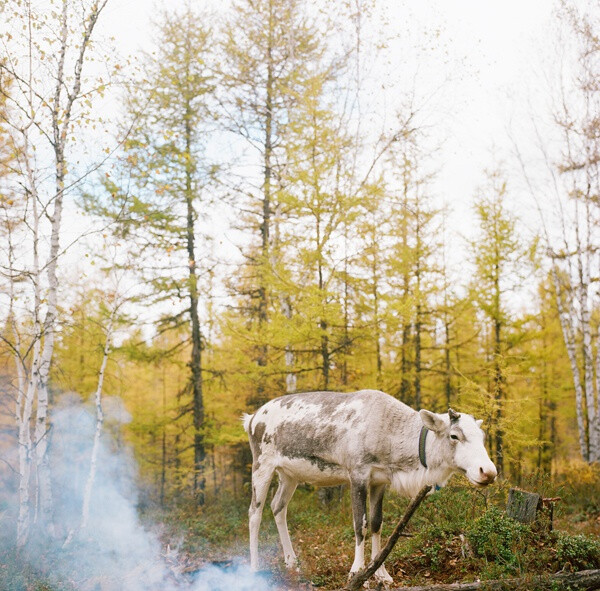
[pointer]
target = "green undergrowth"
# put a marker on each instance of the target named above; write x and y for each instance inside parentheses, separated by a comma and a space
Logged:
(458, 534)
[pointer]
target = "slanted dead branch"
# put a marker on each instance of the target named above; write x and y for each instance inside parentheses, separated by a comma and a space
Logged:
(357, 581)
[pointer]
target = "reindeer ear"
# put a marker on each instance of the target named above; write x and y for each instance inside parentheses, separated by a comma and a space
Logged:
(454, 416)
(479, 422)
(432, 421)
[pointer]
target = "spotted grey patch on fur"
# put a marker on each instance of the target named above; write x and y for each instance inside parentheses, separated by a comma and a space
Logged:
(256, 438)
(366, 438)
(312, 442)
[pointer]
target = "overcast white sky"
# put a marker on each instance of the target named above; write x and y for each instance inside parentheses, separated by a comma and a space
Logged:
(496, 43)
(492, 48)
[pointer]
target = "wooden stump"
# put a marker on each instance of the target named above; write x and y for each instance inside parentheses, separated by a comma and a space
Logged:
(531, 508)
(523, 506)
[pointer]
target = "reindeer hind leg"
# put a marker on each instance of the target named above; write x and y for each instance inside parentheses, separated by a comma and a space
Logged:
(279, 505)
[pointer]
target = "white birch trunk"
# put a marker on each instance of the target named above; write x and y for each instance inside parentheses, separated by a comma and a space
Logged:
(61, 123)
(588, 359)
(25, 453)
(89, 485)
(567, 330)
(26, 410)
(87, 495)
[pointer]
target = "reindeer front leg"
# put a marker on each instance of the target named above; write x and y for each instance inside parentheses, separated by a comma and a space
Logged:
(376, 505)
(358, 492)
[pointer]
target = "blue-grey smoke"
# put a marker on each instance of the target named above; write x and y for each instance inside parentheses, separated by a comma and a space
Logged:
(115, 552)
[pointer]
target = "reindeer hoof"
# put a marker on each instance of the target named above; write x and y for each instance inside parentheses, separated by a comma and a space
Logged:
(292, 564)
(383, 578)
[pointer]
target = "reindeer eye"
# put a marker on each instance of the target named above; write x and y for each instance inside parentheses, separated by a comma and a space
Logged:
(455, 437)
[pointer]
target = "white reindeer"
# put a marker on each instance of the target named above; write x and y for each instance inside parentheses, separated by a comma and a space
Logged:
(366, 438)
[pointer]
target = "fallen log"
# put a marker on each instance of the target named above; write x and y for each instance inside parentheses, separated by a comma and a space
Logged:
(585, 580)
(357, 581)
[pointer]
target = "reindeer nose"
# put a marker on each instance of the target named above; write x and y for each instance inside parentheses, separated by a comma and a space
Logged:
(489, 475)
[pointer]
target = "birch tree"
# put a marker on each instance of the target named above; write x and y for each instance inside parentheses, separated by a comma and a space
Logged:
(569, 212)
(110, 312)
(47, 107)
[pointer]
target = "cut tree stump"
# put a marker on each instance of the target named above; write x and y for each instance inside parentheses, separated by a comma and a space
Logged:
(528, 507)
(523, 506)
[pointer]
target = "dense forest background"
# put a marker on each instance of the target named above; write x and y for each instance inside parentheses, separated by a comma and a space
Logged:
(253, 208)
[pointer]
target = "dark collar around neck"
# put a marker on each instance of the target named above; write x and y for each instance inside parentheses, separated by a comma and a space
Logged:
(422, 443)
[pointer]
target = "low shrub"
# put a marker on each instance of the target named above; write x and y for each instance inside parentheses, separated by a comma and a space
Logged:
(578, 552)
(498, 538)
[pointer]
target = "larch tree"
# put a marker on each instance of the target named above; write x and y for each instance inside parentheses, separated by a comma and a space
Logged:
(317, 200)
(498, 257)
(412, 269)
(270, 48)
(160, 199)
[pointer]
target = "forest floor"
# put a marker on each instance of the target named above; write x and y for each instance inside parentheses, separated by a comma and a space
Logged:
(458, 534)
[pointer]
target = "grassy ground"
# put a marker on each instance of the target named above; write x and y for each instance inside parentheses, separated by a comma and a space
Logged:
(458, 534)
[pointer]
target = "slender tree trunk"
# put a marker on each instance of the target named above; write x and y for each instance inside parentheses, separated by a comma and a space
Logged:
(406, 326)
(543, 407)
(324, 338)
(447, 364)
(325, 361)
(418, 357)
(290, 376)
(325, 354)
(89, 485)
(163, 455)
(446, 320)
(418, 311)
(265, 227)
(405, 363)
(376, 328)
(567, 330)
(346, 345)
(499, 392)
(285, 305)
(588, 362)
(24, 420)
(25, 452)
(196, 359)
(25, 388)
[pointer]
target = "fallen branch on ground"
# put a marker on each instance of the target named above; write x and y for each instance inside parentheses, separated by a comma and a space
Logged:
(356, 582)
(585, 580)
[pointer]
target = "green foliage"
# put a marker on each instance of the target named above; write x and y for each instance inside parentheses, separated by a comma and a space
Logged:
(577, 551)
(496, 537)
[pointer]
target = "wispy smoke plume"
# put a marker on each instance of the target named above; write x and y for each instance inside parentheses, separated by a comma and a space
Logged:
(115, 552)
